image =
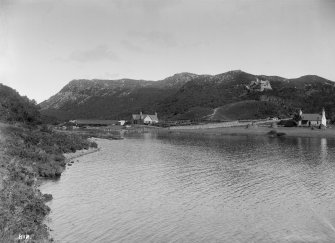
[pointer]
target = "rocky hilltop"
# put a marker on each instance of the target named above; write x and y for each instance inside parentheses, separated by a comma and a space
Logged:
(192, 96)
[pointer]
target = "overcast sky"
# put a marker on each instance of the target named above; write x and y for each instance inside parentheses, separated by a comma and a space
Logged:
(46, 43)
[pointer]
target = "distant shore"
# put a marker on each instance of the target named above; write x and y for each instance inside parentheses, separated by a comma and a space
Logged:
(263, 131)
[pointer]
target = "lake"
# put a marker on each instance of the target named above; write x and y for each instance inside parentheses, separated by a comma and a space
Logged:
(182, 188)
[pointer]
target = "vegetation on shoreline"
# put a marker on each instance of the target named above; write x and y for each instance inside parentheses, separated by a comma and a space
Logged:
(43, 149)
(22, 206)
(28, 150)
(31, 153)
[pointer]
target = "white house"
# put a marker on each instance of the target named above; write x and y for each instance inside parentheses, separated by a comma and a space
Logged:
(313, 119)
(144, 118)
(150, 119)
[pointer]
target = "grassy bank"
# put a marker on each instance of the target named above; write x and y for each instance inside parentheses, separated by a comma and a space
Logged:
(43, 149)
(263, 131)
(97, 133)
(27, 153)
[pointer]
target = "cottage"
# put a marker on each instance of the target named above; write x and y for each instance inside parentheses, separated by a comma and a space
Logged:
(144, 118)
(150, 119)
(312, 119)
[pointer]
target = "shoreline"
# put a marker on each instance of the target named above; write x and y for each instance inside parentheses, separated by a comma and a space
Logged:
(23, 167)
(261, 131)
(79, 153)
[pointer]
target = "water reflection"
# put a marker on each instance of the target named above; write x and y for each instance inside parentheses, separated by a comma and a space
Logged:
(177, 188)
(323, 149)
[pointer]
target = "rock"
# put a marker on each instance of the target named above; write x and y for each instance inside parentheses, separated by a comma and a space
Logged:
(274, 125)
(47, 197)
(253, 125)
(274, 133)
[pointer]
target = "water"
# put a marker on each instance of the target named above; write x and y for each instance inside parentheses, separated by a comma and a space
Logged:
(176, 188)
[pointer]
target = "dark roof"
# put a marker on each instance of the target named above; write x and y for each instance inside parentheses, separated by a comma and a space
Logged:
(311, 117)
(95, 122)
(136, 117)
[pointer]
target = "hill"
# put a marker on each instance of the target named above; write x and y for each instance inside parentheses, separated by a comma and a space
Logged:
(247, 109)
(111, 99)
(16, 108)
(192, 96)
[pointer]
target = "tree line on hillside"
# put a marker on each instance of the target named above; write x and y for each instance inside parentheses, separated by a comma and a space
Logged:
(16, 108)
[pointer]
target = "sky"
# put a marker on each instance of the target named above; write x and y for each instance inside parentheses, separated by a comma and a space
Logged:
(44, 44)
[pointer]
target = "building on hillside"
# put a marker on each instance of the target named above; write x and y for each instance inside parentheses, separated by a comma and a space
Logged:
(312, 119)
(144, 118)
(259, 85)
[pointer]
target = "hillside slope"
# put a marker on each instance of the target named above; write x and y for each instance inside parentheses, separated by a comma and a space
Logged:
(279, 96)
(187, 95)
(111, 99)
(247, 109)
(16, 108)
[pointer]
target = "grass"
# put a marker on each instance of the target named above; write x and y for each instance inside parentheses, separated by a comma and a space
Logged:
(247, 109)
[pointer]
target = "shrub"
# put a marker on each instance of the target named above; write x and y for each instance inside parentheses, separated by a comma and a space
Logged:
(44, 149)
(288, 123)
(33, 152)
(22, 211)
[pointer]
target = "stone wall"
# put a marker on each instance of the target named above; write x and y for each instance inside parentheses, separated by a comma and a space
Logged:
(210, 125)
(221, 124)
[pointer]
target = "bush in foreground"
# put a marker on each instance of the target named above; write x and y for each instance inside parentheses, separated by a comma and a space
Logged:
(43, 150)
(31, 153)
(22, 207)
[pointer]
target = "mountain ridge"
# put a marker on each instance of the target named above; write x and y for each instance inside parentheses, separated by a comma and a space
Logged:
(182, 93)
